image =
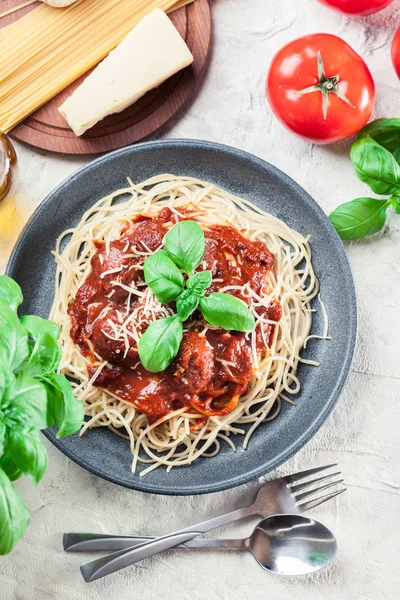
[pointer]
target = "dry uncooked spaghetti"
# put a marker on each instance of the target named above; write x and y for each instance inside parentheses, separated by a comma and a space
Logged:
(174, 440)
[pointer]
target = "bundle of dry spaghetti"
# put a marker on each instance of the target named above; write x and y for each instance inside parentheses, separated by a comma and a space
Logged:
(49, 48)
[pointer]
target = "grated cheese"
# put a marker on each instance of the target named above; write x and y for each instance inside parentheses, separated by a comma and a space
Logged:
(127, 288)
(110, 272)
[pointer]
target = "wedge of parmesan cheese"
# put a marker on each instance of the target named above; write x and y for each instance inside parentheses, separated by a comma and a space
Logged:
(151, 53)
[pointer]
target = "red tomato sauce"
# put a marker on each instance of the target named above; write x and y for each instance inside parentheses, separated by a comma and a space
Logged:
(213, 367)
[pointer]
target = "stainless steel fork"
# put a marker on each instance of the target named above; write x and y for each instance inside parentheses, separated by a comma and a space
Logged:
(283, 495)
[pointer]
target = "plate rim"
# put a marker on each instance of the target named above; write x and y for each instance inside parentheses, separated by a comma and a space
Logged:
(144, 484)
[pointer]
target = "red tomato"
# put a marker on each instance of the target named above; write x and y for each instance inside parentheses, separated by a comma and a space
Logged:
(396, 52)
(320, 88)
(357, 7)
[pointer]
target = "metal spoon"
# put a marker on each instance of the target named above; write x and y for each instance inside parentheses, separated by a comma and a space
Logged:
(284, 544)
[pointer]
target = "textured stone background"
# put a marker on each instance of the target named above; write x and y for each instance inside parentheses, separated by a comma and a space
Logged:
(363, 432)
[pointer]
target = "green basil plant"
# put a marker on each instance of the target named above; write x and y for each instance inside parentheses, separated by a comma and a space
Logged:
(32, 397)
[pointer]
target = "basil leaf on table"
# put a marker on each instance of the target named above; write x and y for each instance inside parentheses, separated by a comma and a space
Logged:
(10, 292)
(45, 353)
(9, 467)
(395, 202)
(14, 516)
(160, 343)
(376, 166)
(187, 303)
(199, 282)
(227, 311)
(28, 453)
(25, 401)
(13, 338)
(163, 276)
(185, 244)
(385, 132)
(361, 217)
(64, 408)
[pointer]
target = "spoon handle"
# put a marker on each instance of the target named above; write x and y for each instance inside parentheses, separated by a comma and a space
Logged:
(234, 544)
(99, 542)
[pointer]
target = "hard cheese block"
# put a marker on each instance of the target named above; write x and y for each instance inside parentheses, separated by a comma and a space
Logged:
(151, 53)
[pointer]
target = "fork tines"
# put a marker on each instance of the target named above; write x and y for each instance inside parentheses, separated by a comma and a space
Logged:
(313, 486)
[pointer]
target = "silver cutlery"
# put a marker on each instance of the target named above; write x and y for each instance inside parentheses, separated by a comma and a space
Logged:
(283, 495)
(283, 544)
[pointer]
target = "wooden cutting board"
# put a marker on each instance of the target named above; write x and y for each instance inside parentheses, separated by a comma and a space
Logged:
(47, 129)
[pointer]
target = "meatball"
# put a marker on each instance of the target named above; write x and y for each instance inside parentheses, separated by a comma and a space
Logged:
(111, 349)
(233, 354)
(194, 365)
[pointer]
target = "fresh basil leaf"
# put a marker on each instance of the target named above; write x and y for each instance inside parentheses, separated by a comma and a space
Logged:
(187, 303)
(64, 408)
(160, 343)
(199, 282)
(10, 292)
(163, 276)
(185, 244)
(359, 218)
(2, 436)
(7, 381)
(6, 376)
(395, 202)
(9, 467)
(376, 166)
(227, 311)
(28, 453)
(384, 131)
(25, 402)
(13, 338)
(45, 356)
(36, 326)
(45, 352)
(14, 516)
(396, 154)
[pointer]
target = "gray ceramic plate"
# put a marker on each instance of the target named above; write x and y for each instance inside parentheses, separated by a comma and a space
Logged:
(32, 265)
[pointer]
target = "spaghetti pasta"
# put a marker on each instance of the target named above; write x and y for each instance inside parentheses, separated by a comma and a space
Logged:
(183, 435)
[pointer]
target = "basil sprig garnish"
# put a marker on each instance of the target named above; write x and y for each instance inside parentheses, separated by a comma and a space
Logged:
(32, 397)
(189, 299)
(226, 311)
(160, 343)
(187, 303)
(376, 159)
(199, 282)
(184, 247)
(163, 276)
